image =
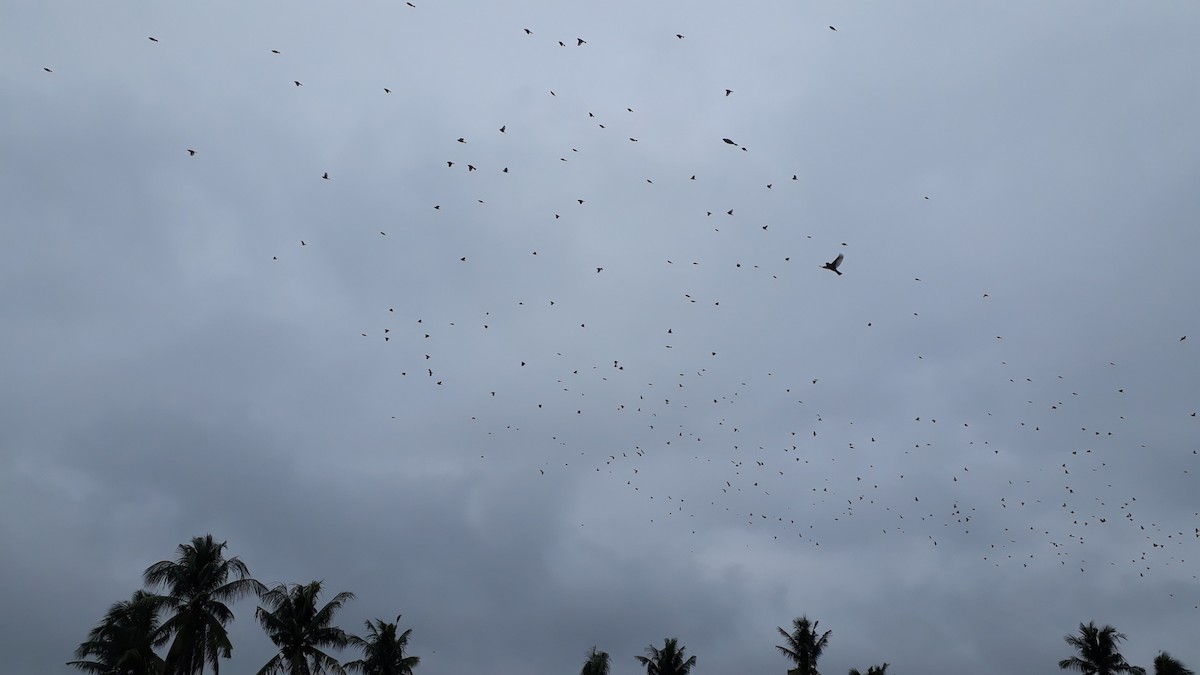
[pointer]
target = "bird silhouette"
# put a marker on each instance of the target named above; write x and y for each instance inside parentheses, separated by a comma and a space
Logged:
(325, 175)
(833, 265)
(191, 152)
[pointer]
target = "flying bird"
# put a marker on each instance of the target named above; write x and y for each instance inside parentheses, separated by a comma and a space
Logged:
(528, 32)
(679, 36)
(728, 92)
(834, 264)
(833, 29)
(191, 152)
(297, 83)
(154, 39)
(729, 141)
(502, 128)
(325, 175)
(580, 42)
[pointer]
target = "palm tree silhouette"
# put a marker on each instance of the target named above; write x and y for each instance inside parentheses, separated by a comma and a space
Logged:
(1098, 654)
(383, 650)
(872, 670)
(1165, 664)
(301, 630)
(124, 641)
(804, 647)
(597, 663)
(668, 660)
(198, 585)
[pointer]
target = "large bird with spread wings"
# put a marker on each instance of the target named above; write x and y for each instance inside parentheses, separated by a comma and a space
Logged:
(834, 264)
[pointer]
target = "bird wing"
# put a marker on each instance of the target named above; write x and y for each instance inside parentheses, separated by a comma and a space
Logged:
(837, 261)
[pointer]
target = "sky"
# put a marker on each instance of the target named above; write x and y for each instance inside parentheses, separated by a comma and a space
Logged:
(504, 337)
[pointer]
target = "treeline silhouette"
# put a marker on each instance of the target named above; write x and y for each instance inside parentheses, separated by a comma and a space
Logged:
(183, 609)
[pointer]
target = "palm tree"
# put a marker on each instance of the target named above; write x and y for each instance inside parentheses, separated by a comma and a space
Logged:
(872, 670)
(804, 647)
(301, 630)
(596, 664)
(1098, 653)
(667, 661)
(383, 650)
(1165, 664)
(198, 584)
(124, 641)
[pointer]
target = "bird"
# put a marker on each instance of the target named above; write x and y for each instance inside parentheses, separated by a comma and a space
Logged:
(47, 70)
(728, 92)
(274, 51)
(833, 29)
(191, 152)
(502, 128)
(297, 83)
(679, 36)
(386, 90)
(325, 175)
(834, 264)
(528, 32)
(579, 42)
(154, 39)
(462, 140)
(729, 141)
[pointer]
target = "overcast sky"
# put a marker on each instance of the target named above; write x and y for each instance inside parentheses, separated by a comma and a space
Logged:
(590, 384)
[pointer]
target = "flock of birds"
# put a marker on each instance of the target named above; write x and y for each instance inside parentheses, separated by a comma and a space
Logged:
(669, 425)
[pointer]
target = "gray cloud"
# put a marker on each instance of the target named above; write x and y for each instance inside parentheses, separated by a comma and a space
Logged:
(977, 438)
